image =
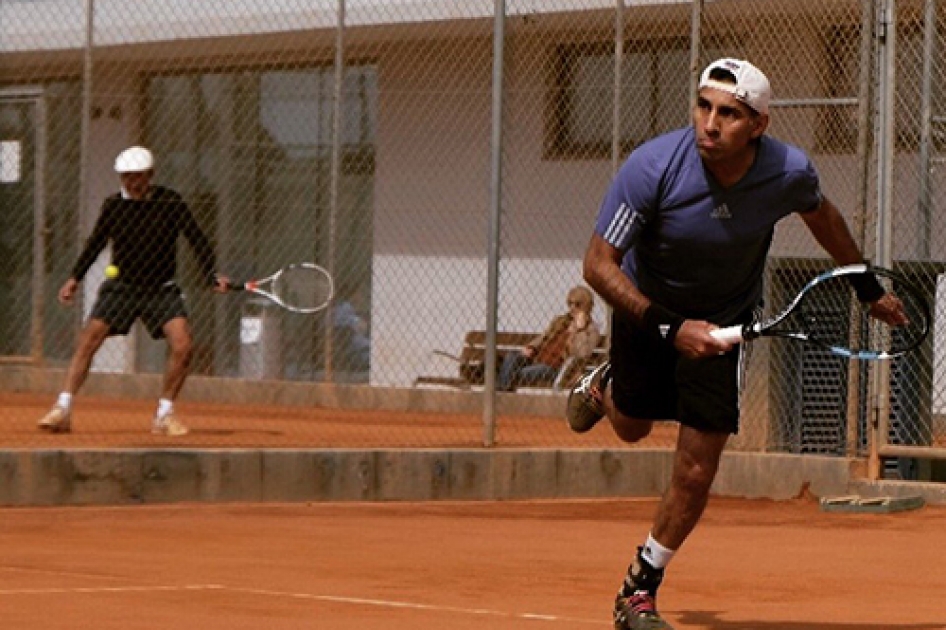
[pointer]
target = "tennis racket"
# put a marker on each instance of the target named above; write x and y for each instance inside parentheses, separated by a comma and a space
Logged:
(826, 312)
(300, 287)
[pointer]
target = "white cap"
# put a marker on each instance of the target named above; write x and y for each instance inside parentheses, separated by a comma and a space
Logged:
(751, 86)
(134, 160)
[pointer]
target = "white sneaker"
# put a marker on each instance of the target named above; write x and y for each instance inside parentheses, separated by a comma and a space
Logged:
(57, 420)
(168, 426)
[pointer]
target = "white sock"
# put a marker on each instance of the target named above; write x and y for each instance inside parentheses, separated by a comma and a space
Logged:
(656, 554)
(165, 407)
(64, 401)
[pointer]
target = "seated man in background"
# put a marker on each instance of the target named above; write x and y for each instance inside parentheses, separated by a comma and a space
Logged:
(353, 338)
(573, 335)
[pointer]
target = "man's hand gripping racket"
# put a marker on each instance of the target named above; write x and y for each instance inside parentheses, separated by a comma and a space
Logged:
(828, 313)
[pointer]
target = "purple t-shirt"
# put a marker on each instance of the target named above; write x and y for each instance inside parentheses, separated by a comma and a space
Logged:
(691, 245)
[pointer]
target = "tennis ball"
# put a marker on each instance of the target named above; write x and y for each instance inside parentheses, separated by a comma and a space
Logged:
(111, 272)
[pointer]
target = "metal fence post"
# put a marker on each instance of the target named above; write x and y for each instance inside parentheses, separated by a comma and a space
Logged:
(495, 221)
(880, 390)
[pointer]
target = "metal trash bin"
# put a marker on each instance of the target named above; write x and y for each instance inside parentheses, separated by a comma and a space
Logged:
(260, 340)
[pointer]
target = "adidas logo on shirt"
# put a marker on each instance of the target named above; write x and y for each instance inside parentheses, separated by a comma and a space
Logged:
(721, 212)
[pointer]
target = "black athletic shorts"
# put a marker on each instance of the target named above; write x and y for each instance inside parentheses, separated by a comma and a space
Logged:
(119, 305)
(651, 380)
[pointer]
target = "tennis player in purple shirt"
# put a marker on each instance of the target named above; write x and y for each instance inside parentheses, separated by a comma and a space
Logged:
(678, 250)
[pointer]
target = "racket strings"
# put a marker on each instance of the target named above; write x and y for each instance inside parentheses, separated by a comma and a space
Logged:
(306, 288)
(831, 315)
(912, 334)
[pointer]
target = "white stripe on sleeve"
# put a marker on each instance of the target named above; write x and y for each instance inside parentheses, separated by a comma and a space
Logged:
(623, 227)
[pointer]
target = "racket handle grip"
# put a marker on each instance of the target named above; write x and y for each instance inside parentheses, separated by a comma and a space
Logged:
(234, 285)
(730, 334)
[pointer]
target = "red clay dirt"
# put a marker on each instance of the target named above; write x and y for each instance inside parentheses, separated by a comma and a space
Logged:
(751, 565)
(100, 422)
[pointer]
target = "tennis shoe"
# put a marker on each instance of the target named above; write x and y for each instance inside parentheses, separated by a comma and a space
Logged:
(585, 405)
(57, 420)
(638, 612)
(635, 607)
(168, 426)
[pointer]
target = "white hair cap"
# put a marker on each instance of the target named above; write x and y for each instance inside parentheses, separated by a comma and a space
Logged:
(134, 160)
(751, 87)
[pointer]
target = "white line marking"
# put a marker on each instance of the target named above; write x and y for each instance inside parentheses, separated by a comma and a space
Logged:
(72, 574)
(317, 505)
(335, 599)
(416, 606)
(112, 589)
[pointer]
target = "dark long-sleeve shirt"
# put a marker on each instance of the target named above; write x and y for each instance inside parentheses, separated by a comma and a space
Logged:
(144, 238)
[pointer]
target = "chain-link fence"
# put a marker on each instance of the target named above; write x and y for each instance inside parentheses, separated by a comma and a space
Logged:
(446, 167)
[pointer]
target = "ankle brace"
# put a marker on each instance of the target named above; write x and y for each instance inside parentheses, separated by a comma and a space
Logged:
(641, 577)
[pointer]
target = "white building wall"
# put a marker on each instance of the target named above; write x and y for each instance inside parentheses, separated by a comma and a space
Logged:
(432, 161)
(432, 210)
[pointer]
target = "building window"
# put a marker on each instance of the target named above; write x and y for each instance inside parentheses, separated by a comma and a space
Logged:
(838, 124)
(654, 93)
(251, 151)
(908, 104)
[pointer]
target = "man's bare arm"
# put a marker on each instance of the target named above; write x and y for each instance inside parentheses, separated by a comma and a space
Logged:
(830, 229)
(827, 225)
(602, 271)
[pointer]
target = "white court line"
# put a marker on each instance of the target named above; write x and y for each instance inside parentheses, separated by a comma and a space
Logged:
(335, 599)
(318, 505)
(112, 589)
(417, 606)
(71, 574)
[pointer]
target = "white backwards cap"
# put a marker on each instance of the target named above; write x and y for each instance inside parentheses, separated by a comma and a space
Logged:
(134, 160)
(751, 86)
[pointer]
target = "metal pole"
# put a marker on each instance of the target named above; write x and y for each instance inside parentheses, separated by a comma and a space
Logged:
(616, 111)
(40, 234)
(924, 202)
(85, 134)
(618, 71)
(696, 46)
(865, 112)
(338, 96)
(495, 218)
(880, 382)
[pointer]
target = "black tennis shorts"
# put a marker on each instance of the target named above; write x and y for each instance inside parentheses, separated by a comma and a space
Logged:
(651, 380)
(119, 305)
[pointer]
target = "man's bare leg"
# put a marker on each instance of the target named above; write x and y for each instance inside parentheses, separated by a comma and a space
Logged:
(694, 469)
(180, 351)
(90, 340)
(695, 464)
(59, 418)
(628, 428)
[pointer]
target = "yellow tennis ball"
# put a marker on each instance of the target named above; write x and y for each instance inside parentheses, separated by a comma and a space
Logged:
(111, 272)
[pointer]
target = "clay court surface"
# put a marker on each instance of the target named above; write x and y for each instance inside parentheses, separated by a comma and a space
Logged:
(752, 565)
(100, 422)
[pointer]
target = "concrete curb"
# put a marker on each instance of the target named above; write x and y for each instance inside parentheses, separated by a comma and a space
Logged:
(127, 477)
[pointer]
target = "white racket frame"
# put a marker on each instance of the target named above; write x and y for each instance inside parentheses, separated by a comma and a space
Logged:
(254, 286)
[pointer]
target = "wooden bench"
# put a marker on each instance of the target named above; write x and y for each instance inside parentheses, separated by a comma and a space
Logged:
(471, 368)
(574, 369)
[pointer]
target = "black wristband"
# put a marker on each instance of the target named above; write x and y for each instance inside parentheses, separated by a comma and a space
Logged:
(866, 286)
(662, 322)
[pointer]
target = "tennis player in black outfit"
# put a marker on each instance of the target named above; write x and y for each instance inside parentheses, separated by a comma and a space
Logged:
(143, 222)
